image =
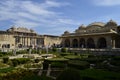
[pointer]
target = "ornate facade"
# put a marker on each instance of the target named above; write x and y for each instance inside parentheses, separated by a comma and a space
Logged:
(96, 35)
(24, 38)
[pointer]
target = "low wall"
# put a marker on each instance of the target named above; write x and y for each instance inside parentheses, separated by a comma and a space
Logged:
(96, 51)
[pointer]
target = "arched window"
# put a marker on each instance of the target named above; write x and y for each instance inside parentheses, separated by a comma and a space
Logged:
(102, 43)
(75, 43)
(67, 43)
(90, 43)
(82, 43)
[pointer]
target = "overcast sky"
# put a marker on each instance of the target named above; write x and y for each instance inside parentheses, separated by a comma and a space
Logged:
(56, 16)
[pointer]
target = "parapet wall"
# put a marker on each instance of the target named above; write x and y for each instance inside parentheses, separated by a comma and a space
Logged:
(96, 51)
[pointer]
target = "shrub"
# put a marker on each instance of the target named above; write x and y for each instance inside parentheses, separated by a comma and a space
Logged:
(5, 59)
(116, 58)
(1, 55)
(58, 65)
(5, 70)
(63, 50)
(22, 52)
(18, 61)
(72, 57)
(54, 49)
(2, 65)
(78, 64)
(14, 62)
(37, 60)
(49, 61)
(69, 74)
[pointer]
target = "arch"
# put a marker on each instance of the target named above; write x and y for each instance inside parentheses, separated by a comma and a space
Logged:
(20, 45)
(82, 43)
(67, 43)
(90, 43)
(75, 43)
(102, 43)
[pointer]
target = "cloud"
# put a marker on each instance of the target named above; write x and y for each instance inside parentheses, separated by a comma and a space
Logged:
(50, 3)
(106, 2)
(33, 14)
(68, 21)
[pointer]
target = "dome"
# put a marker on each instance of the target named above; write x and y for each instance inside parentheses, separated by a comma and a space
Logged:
(13, 27)
(82, 26)
(31, 30)
(66, 32)
(97, 24)
(111, 23)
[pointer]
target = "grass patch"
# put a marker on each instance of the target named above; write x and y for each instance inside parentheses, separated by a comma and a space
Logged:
(57, 59)
(71, 57)
(2, 65)
(5, 70)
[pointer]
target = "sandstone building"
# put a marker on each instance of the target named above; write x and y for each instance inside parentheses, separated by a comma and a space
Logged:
(25, 38)
(96, 35)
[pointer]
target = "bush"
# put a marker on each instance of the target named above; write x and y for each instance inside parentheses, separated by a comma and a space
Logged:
(14, 62)
(18, 61)
(54, 49)
(117, 58)
(22, 52)
(94, 60)
(58, 65)
(5, 70)
(5, 59)
(37, 60)
(72, 57)
(78, 64)
(49, 61)
(69, 74)
(2, 65)
(32, 65)
(64, 54)
(63, 50)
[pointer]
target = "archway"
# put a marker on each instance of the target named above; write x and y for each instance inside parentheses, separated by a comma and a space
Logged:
(75, 43)
(90, 43)
(67, 43)
(102, 43)
(19, 45)
(82, 43)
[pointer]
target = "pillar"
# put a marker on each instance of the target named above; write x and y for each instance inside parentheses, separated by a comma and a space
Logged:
(78, 42)
(71, 45)
(113, 43)
(109, 42)
(96, 42)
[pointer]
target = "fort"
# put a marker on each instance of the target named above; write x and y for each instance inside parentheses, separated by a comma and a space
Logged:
(20, 37)
(95, 37)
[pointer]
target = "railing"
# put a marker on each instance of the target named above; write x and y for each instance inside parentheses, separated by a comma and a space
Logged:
(89, 32)
(91, 49)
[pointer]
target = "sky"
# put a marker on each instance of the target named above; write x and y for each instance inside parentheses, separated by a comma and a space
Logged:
(53, 17)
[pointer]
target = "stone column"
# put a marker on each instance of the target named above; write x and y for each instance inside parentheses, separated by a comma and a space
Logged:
(78, 42)
(35, 41)
(109, 42)
(22, 41)
(95, 41)
(71, 43)
(113, 43)
(27, 41)
(85, 42)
